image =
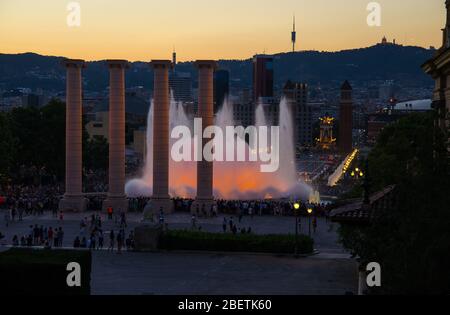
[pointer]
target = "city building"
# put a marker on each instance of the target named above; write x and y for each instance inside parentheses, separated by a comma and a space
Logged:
(346, 119)
(21, 98)
(263, 78)
(245, 96)
(297, 96)
(180, 84)
(271, 108)
(377, 121)
(386, 91)
(99, 127)
(221, 88)
(385, 42)
(438, 68)
(243, 114)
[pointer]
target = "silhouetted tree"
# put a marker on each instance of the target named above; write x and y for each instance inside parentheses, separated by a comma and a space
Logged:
(410, 240)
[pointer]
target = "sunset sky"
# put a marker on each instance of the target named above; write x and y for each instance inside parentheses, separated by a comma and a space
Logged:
(210, 29)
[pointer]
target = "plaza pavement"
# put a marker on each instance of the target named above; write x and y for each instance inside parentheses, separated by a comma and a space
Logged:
(229, 274)
(330, 272)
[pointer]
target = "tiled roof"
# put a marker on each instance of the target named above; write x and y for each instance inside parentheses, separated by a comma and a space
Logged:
(357, 211)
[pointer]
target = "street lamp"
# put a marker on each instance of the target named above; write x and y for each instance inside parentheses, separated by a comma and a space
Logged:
(296, 208)
(357, 173)
(310, 211)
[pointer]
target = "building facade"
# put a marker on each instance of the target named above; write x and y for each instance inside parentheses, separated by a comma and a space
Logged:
(180, 84)
(262, 77)
(297, 96)
(439, 69)
(221, 88)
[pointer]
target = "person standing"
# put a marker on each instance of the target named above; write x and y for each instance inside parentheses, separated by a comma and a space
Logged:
(314, 224)
(193, 221)
(13, 214)
(224, 225)
(20, 213)
(111, 240)
(100, 240)
(92, 241)
(7, 218)
(161, 216)
(60, 236)
(123, 220)
(55, 238)
(76, 242)
(119, 242)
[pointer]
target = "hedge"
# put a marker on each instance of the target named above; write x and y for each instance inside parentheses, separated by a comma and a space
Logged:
(193, 240)
(43, 272)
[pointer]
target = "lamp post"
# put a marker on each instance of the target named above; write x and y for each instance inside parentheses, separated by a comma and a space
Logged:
(310, 211)
(296, 208)
(357, 173)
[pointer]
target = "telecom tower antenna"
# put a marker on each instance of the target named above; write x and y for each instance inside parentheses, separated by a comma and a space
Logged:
(293, 36)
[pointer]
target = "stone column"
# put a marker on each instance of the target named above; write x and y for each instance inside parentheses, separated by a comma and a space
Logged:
(205, 199)
(116, 194)
(161, 102)
(73, 198)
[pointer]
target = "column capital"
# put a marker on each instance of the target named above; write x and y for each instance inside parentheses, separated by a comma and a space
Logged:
(118, 63)
(206, 64)
(74, 63)
(164, 64)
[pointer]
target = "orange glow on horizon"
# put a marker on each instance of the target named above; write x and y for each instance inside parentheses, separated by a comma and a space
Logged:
(202, 29)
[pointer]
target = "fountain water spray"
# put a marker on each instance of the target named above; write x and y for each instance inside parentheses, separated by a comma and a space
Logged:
(232, 180)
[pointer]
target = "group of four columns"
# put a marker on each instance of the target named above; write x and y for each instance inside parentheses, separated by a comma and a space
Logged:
(74, 199)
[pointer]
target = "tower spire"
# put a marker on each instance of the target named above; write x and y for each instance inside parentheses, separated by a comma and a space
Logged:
(293, 35)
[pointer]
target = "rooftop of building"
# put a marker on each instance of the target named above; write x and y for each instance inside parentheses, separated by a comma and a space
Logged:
(414, 105)
(356, 211)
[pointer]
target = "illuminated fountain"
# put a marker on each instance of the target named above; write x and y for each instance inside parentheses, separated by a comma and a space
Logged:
(232, 180)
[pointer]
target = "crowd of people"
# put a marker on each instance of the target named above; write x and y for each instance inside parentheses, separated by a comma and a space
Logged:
(91, 234)
(271, 207)
(40, 236)
(21, 200)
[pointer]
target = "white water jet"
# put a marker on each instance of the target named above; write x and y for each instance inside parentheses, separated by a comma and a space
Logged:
(232, 180)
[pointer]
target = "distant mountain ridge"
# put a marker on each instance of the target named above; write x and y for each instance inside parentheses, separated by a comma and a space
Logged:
(379, 62)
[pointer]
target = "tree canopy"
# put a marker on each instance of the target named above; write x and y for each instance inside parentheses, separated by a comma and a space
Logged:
(35, 137)
(410, 240)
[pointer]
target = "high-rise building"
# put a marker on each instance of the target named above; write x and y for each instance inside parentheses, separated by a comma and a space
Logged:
(243, 114)
(297, 96)
(346, 119)
(221, 88)
(180, 84)
(262, 77)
